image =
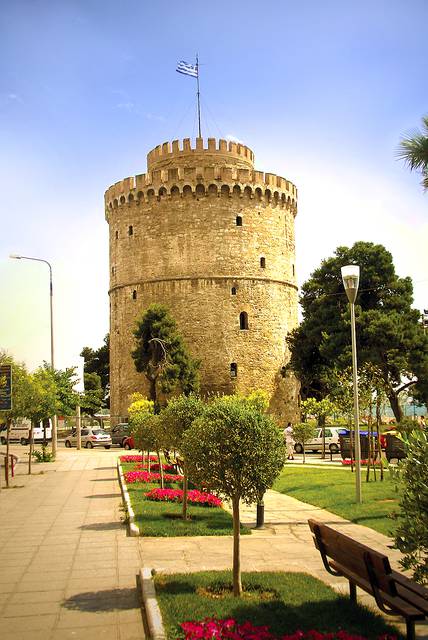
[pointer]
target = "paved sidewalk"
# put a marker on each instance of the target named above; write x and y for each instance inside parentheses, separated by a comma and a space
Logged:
(67, 568)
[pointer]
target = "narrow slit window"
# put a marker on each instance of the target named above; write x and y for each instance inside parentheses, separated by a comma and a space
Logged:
(239, 221)
(130, 230)
(134, 295)
(117, 235)
(293, 270)
(263, 262)
(233, 291)
(243, 320)
(113, 271)
(233, 370)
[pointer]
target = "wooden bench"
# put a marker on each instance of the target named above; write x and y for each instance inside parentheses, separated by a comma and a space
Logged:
(395, 594)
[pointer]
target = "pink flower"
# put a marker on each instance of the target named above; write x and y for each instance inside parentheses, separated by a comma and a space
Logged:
(131, 477)
(229, 629)
(176, 495)
(136, 458)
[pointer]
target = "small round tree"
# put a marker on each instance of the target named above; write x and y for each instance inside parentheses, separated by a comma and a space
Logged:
(303, 432)
(237, 450)
(177, 417)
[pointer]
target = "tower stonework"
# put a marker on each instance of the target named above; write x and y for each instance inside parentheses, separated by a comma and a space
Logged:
(211, 238)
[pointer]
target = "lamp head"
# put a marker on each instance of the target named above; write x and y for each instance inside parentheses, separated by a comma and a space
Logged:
(13, 255)
(351, 280)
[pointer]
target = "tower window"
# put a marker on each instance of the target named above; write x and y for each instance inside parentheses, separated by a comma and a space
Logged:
(233, 291)
(134, 295)
(239, 221)
(243, 320)
(130, 230)
(263, 262)
(283, 372)
(113, 271)
(233, 370)
(117, 235)
(293, 270)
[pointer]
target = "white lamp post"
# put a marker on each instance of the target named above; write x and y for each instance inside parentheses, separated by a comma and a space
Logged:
(351, 279)
(54, 421)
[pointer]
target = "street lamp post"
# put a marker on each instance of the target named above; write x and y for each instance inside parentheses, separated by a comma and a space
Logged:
(351, 278)
(54, 420)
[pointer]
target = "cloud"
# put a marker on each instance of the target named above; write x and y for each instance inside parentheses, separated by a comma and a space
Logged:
(10, 98)
(233, 138)
(127, 106)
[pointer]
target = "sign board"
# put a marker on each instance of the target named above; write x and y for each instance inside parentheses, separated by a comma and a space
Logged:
(5, 387)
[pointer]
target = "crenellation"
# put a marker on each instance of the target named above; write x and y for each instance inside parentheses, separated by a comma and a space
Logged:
(211, 144)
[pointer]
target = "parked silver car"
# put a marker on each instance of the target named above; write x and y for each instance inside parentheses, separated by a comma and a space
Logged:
(315, 444)
(91, 437)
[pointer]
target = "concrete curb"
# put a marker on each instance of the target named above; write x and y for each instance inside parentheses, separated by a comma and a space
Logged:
(151, 607)
(133, 529)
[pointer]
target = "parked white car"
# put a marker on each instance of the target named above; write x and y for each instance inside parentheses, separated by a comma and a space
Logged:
(90, 437)
(331, 441)
(20, 432)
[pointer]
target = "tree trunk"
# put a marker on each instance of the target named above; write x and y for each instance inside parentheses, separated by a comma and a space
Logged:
(184, 491)
(378, 421)
(162, 484)
(30, 456)
(395, 406)
(237, 584)
(6, 466)
(152, 389)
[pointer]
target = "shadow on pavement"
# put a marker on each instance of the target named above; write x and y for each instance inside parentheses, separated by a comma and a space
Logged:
(105, 495)
(106, 600)
(102, 526)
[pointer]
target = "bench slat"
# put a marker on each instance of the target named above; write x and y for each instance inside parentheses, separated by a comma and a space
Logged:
(401, 606)
(352, 554)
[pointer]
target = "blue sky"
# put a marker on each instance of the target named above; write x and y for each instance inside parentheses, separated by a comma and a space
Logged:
(321, 91)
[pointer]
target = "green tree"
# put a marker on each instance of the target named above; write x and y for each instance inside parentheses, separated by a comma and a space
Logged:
(177, 417)
(98, 361)
(303, 432)
(413, 150)
(162, 356)
(389, 334)
(238, 451)
(411, 535)
(92, 398)
(21, 399)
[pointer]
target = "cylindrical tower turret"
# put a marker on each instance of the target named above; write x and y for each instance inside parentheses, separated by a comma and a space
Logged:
(213, 239)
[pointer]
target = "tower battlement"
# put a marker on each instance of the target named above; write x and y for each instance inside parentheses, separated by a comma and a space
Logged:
(224, 170)
(221, 152)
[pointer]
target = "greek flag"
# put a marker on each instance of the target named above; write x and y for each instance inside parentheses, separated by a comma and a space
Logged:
(187, 69)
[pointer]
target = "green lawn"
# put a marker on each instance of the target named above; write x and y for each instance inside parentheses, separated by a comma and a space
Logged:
(334, 490)
(285, 602)
(163, 518)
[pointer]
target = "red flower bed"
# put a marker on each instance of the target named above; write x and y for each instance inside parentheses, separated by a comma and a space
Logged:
(156, 466)
(176, 495)
(137, 458)
(144, 476)
(213, 629)
(347, 462)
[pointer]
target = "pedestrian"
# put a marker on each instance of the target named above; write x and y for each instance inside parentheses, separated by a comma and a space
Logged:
(289, 441)
(422, 423)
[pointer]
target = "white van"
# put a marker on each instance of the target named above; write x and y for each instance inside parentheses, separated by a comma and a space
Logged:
(20, 432)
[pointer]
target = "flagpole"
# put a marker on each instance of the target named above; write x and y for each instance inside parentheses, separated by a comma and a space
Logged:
(198, 94)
